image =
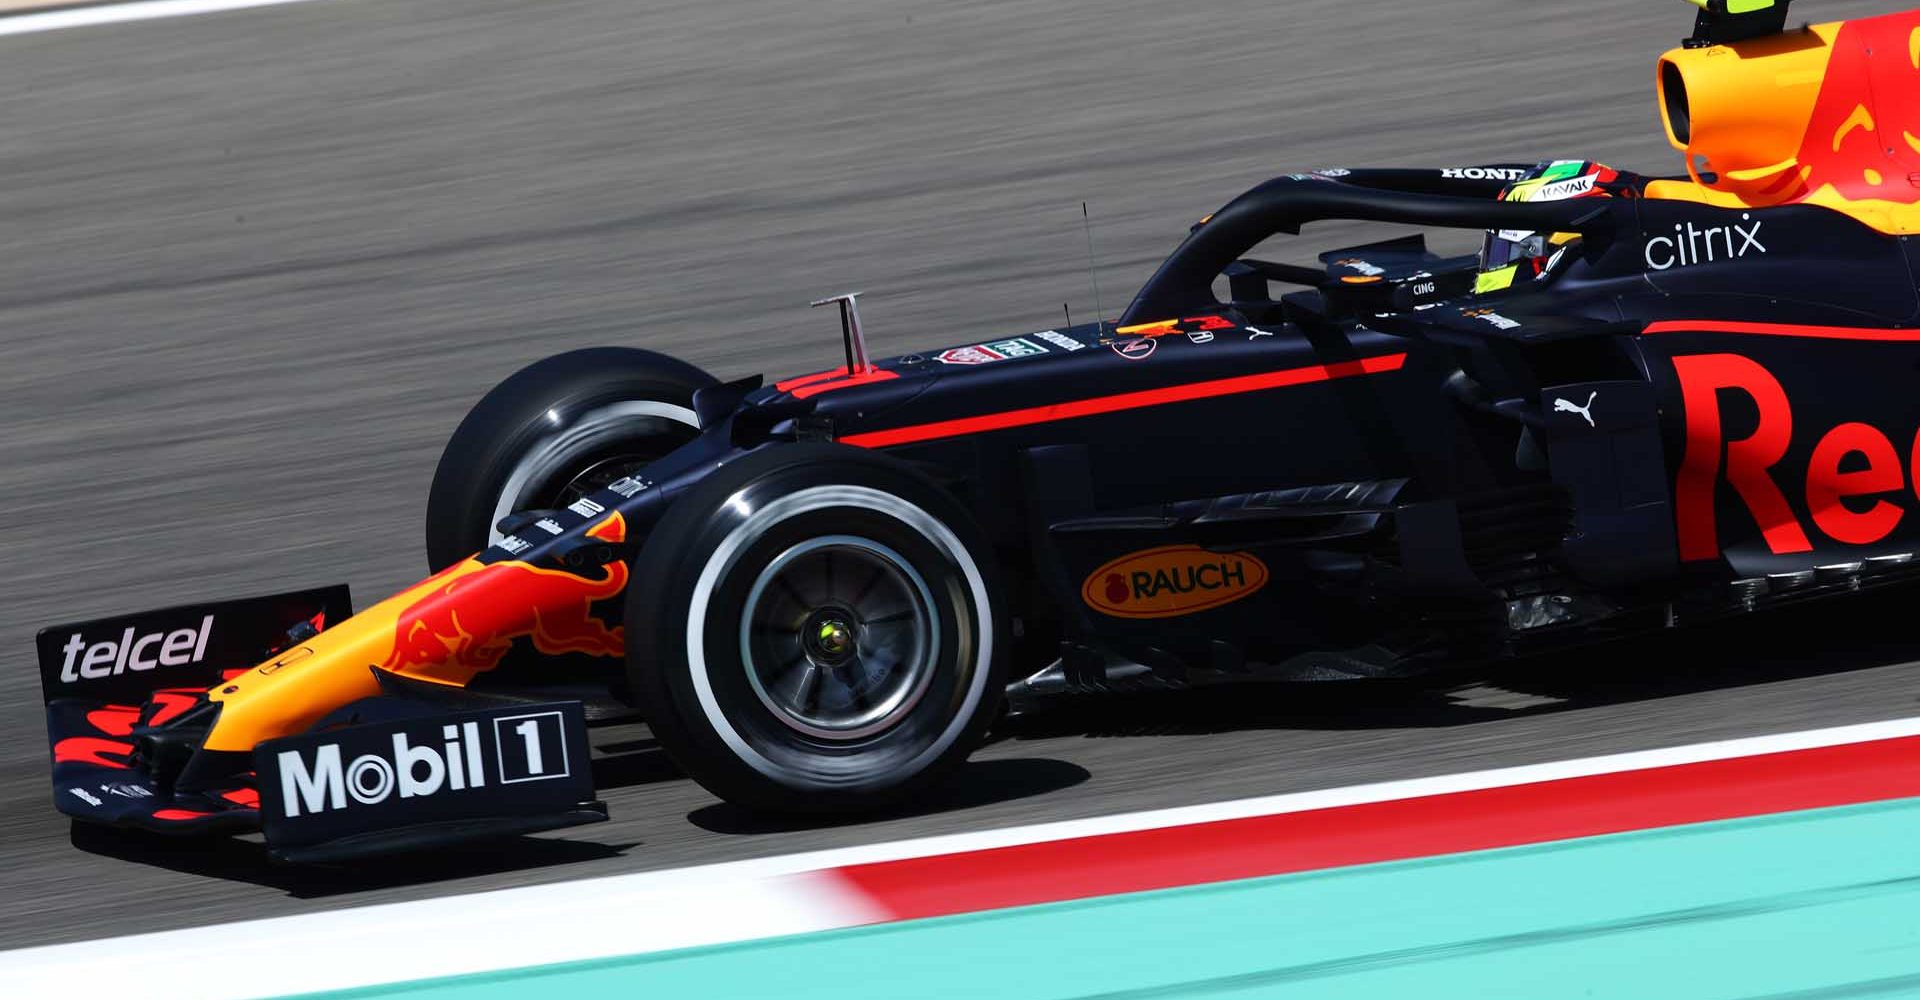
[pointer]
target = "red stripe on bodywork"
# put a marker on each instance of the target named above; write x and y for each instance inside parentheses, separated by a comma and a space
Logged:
(1126, 401)
(816, 388)
(796, 382)
(808, 386)
(1783, 330)
(1394, 830)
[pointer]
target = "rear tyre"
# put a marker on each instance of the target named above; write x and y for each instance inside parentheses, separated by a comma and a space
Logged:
(552, 432)
(816, 630)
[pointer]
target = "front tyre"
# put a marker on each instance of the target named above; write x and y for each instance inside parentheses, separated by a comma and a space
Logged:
(553, 432)
(814, 628)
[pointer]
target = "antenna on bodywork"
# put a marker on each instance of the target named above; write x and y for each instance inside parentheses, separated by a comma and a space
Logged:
(1093, 275)
(856, 338)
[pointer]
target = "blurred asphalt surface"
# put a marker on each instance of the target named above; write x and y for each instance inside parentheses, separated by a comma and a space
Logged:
(259, 264)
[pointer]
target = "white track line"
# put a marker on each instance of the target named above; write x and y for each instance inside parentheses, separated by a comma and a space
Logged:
(121, 13)
(658, 911)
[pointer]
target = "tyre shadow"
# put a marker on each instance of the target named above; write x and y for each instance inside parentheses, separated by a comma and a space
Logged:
(624, 757)
(245, 860)
(1812, 640)
(975, 783)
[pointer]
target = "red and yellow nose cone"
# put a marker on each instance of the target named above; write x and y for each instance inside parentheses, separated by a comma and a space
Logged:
(445, 629)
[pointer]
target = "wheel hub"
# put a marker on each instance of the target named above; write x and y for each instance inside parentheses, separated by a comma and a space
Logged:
(839, 637)
(829, 637)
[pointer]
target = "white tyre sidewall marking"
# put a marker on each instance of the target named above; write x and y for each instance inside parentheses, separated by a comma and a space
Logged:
(802, 502)
(540, 460)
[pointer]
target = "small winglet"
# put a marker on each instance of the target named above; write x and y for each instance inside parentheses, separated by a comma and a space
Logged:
(1721, 22)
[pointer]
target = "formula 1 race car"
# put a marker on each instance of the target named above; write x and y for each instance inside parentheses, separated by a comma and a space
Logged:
(1645, 402)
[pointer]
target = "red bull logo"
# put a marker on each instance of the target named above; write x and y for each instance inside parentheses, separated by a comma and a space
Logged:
(1827, 116)
(1854, 484)
(1861, 140)
(469, 616)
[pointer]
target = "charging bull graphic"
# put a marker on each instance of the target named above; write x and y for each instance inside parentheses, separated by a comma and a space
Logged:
(470, 616)
(1828, 116)
(446, 629)
(1861, 141)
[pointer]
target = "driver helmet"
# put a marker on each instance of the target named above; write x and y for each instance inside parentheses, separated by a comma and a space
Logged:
(1511, 255)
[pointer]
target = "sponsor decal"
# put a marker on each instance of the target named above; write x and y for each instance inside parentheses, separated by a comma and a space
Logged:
(549, 525)
(1060, 340)
(1333, 172)
(1367, 268)
(530, 747)
(85, 796)
(967, 356)
(1425, 287)
(1168, 327)
(586, 508)
(1494, 318)
(501, 762)
(86, 660)
(122, 790)
(1135, 348)
(1690, 245)
(1172, 581)
(1484, 173)
(1563, 405)
(1019, 347)
(1255, 333)
(1853, 477)
(629, 486)
(986, 354)
(514, 544)
(1563, 190)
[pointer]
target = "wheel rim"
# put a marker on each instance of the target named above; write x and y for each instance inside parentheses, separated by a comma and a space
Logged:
(593, 444)
(597, 476)
(839, 637)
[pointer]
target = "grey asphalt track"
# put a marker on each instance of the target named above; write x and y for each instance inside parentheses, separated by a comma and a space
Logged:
(258, 264)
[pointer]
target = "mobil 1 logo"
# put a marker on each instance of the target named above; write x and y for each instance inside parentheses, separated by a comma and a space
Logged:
(500, 763)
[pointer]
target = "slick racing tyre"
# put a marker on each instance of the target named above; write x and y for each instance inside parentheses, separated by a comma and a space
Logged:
(815, 628)
(553, 432)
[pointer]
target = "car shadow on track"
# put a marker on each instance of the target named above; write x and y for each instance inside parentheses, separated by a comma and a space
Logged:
(976, 783)
(245, 860)
(1813, 640)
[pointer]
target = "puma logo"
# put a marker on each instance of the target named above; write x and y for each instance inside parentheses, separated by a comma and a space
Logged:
(1568, 406)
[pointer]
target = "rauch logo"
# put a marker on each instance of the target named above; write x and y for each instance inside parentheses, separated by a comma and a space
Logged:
(1171, 581)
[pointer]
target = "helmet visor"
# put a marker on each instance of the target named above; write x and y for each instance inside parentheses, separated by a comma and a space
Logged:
(1509, 246)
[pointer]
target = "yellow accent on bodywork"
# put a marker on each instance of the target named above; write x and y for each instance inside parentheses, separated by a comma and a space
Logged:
(280, 697)
(1739, 6)
(1892, 217)
(1494, 281)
